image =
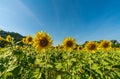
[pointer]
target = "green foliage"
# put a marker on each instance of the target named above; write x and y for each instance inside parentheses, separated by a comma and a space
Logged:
(25, 63)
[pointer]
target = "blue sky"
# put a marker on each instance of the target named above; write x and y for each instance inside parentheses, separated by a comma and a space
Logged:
(81, 19)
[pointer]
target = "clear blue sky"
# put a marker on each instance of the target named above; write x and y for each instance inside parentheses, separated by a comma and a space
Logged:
(81, 19)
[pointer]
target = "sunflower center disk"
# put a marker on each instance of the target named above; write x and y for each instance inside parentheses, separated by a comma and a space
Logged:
(69, 44)
(43, 42)
(30, 39)
(92, 47)
(9, 39)
(80, 48)
(105, 45)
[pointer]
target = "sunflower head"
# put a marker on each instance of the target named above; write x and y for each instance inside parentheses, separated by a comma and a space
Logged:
(106, 45)
(79, 48)
(29, 40)
(24, 40)
(8, 38)
(69, 44)
(91, 46)
(42, 41)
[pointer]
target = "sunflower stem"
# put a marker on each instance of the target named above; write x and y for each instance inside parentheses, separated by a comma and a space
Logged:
(46, 73)
(90, 65)
(68, 68)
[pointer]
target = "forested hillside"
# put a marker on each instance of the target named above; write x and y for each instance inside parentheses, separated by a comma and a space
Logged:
(16, 36)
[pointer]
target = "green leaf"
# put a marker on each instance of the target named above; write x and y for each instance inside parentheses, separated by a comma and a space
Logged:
(58, 77)
(37, 74)
(49, 66)
(11, 68)
(8, 75)
(109, 67)
(73, 59)
(98, 71)
(91, 61)
(69, 63)
(105, 63)
(58, 66)
(64, 56)
(94, 66)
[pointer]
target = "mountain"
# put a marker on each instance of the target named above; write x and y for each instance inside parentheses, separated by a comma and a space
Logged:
(16, 36)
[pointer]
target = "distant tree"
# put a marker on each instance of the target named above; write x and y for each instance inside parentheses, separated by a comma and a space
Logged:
(115, 43)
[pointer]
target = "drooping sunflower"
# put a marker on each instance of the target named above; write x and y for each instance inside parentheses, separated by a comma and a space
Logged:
(105, 45)
(91, 46)
(42, 41)
(69, 44)
(29, 40)
(8, 38)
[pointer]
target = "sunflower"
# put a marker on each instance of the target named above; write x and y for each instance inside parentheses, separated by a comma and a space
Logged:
(91, 46)
(79, 47)
(8, 38)
(29, 40)
(69, 44)
(105, 45)
(24, 40)
(42, 41)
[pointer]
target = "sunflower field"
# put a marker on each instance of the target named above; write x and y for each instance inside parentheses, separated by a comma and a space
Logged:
(37, 58)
